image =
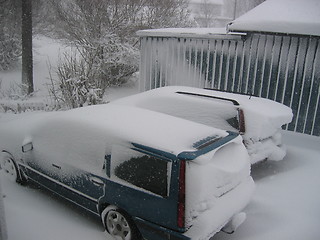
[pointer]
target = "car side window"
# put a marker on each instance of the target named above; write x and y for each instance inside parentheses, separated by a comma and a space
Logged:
(142, 170)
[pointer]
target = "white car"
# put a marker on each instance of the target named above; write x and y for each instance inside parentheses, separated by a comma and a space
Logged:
(258, 120)
(146, 174)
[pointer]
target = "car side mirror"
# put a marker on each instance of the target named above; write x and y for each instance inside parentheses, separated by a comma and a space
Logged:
(27, 147)
(107, 163)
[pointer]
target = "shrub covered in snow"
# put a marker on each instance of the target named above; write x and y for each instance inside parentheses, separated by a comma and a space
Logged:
(10, 52)
(85, 74)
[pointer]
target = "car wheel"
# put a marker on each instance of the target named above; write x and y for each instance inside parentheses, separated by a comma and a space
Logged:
(9, 167)
(119, 225)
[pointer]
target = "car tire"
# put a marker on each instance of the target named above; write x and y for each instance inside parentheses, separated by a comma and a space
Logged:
(9, 167)
(119, 225)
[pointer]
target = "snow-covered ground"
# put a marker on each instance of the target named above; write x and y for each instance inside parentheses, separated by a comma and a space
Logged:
(285, 205)
(46, 54)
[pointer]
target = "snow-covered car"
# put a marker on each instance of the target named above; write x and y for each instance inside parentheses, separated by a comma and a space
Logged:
(258, 120)
(146, 174)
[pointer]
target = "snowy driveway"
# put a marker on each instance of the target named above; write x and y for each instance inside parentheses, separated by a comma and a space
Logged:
(285, 205)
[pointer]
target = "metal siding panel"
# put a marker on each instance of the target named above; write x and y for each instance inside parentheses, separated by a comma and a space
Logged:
(196, 79)
(142, 65)
(216, 64)
(251, 77)
(156, 64)
(189, 56)
(224, 64)
(151, 65)
(283, 64)
(267, 66)
(164, 61)
(232, 58)
(275, 67)
(306, 86)
(260, 65)
(184, 55)
(294, 48)
(212, 63)
(167, 61)
(158, 73)
(316, 121)
(239, 66)
(206, 66)
(246, 65)
(175, 61)
(197, 64)
(300, 66)
(291, 58)
(201, 62)
(314, 74)
(179, 57)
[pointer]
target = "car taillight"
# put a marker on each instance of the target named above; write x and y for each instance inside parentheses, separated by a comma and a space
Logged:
(182, 194)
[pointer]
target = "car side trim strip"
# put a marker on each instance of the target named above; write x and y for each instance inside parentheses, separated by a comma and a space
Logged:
(60, 183)
(66, 198)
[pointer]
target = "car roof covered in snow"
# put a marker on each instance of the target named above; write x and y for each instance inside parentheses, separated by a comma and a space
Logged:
(263, 106)
(145, 127)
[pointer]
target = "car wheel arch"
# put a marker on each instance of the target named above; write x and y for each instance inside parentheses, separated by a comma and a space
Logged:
(20, 176)
(136, 235)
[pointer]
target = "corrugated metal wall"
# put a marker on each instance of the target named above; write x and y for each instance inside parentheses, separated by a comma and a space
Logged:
(283, 68)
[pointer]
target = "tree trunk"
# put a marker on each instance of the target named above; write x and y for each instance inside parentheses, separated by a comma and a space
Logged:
(26, 32)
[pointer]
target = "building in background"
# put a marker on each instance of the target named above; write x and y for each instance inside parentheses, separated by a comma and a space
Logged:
(273, 51)
(218, 13)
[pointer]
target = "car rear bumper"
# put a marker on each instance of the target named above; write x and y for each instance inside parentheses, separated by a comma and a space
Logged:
(225, 209)
(270, 148)
(152, 231)
(210, 222)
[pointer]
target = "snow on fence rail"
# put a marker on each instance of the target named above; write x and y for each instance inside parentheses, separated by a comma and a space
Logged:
(283, 68)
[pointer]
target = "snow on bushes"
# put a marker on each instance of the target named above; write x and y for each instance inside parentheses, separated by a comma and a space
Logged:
(10, 51)
(84, 75)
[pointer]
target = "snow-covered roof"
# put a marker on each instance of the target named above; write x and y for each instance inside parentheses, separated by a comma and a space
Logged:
(281, 16)
(186, 32)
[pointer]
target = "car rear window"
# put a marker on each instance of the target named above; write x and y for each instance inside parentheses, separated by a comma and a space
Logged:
(142, 170)
(212, 112)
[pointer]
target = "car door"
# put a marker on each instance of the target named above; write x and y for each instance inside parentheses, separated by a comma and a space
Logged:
(63, 161)
(141, 183)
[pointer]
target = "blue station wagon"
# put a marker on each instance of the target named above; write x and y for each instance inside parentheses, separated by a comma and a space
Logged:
(146, 174)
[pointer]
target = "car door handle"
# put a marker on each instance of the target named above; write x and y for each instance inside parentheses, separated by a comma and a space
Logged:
(56, 166)
(96, 181)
